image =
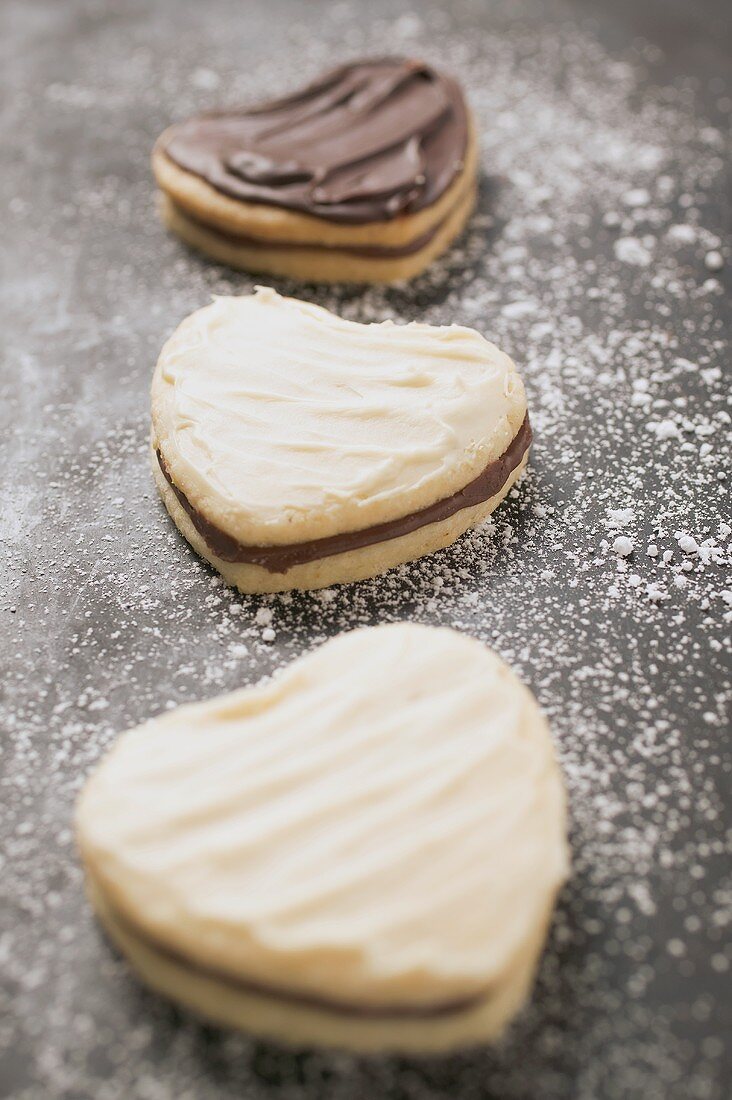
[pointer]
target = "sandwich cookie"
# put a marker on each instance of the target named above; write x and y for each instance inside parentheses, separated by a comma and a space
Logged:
(363, 853)
(294, 449)
(367, 175)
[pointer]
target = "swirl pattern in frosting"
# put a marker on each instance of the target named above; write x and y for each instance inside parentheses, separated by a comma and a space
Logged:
(282, 422)
(369, 141)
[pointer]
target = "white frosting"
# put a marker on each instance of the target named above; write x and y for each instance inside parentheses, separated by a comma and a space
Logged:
(383, 823)
(282, 422)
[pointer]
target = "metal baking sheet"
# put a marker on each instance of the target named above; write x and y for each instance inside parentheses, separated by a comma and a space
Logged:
(596, 260)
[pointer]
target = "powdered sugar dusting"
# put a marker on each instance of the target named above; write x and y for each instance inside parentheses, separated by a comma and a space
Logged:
(596, 260)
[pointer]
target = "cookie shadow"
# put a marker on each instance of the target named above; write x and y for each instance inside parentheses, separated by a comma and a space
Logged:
(463, 261)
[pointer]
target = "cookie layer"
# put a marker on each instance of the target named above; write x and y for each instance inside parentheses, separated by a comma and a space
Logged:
(377, 155)
(363, 853)
(279, 559)
(348, 566)
(322, 263)
(278, 424)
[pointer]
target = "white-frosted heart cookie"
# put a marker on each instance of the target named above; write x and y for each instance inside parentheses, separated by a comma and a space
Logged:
(362, 853)
(294, 449)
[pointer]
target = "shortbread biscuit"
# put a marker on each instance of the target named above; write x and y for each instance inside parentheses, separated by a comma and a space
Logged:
(294, 449)
(365, 176)
(363, 853)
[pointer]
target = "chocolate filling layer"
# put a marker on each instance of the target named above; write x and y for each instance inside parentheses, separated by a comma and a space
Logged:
(386, 252)
(279, 559)
(366, 142)
(302, 998)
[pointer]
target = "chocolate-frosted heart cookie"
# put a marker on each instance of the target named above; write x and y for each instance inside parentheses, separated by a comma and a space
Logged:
(295, 449)
(362, 853)
(366, 175)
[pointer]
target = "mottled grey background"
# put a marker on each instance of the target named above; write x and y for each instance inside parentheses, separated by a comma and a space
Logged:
(597, 260)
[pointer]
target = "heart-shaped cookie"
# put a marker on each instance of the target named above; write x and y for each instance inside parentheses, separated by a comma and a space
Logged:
(361, 853)
(366, 175)
(295, 449)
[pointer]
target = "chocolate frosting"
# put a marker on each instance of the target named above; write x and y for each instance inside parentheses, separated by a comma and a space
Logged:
(281, 558)
(366, 142)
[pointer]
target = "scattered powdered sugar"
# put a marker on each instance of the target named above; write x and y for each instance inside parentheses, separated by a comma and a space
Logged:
(632, 251)
(595, 259)
(616, 518)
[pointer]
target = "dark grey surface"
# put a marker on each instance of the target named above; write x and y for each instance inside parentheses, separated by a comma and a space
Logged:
(598, 123)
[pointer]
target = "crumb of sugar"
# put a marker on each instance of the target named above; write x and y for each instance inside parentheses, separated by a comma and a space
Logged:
(687, 543)
(663, 429)
(682, 233)
(629, 250)
(623, 546)
(637, 196)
